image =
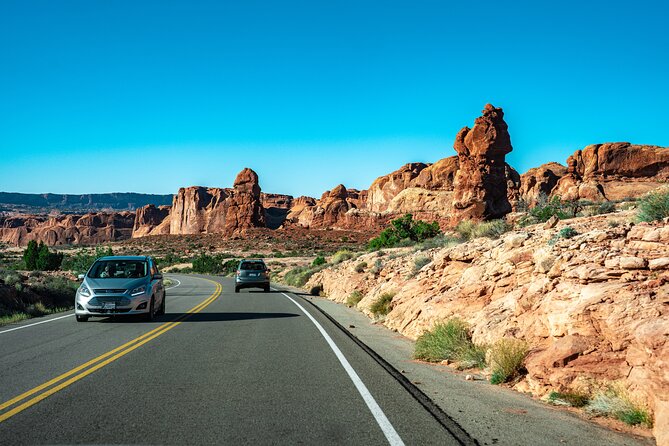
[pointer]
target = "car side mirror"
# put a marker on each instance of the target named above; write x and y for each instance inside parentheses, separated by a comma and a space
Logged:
(80, 277)
(268, 270)
(157, 276)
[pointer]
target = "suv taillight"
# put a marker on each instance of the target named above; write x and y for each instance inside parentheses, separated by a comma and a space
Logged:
(239, 272)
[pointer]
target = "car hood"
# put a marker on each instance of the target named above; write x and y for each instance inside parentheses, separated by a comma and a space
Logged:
(127, 284)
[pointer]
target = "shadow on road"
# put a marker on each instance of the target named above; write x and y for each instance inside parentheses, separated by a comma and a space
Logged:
(202, 317)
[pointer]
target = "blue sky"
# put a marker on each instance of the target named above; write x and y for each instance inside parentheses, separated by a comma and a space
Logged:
(149, 96)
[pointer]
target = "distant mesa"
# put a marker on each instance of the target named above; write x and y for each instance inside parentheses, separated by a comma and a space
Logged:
(476, 183)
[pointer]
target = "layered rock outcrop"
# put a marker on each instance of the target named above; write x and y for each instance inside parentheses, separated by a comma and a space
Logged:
(593, 308)
(613, 171)
(89, 229)
(151, 220)
(539, 182)
(199, 210)
(480, 188)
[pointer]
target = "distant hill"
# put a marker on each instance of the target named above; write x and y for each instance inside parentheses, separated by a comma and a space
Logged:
(118, 201)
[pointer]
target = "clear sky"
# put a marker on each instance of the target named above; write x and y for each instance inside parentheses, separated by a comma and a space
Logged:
(149, 96)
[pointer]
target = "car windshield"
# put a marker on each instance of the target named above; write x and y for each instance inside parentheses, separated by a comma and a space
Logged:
(118, 269)
(252, 266)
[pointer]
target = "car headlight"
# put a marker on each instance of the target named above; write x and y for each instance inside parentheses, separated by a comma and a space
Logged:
(139, 290)
(84, 291)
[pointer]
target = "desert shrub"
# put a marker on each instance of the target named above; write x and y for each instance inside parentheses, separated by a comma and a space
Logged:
(378, 266)
(506, 359)
(354, 299)
(320, 260)
(316, 290)
(567, 232)
(654, 206)
(438, 241)
(606, 207)
(545, 209)
(299, 276)
(493, 229)
(572, 399)
(214, 264)
(420, 262)
(404, 230)
(450, 340)
(12, 278)
(341, 256)
(613, 223)
(381, 306)
(615, 403)
(360, 267)
(38, 257)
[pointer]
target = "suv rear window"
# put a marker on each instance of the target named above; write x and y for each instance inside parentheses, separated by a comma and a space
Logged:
(118, 269)
(252, 266)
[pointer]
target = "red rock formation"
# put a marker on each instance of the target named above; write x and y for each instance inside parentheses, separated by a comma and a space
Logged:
(151, 220)
(199, 210)
(613, 171)
(88, 229)
(480, 185)
(277, 207)
(540, 181)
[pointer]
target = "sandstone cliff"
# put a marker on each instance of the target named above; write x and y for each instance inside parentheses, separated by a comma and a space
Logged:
(89, 229)
(594, 307)
(199, 210)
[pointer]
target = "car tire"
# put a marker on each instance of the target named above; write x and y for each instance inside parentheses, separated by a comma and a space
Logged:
(148, 317)
(161, 310)
(82, 318)
(236, 289)
(266, 289)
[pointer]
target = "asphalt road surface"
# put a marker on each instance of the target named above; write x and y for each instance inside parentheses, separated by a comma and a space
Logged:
(217, 368)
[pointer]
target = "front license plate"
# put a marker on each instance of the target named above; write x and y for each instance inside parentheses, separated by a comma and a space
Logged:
(109, 306)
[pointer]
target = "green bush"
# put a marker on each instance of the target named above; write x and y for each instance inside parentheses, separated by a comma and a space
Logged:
(438, 241)
(381, 306)
(506, 359)
(320, 260)
(571, 399)
(493, 229)
(403, 229)
(299, 276)
(341, 256)
(420, 261)
(615, 404)
(214, 264)
(38, 257)
(450, 340)
(360, 267)
(316, 290)
(545, 209)
(354, 299)
(567, 232)
(654, 206)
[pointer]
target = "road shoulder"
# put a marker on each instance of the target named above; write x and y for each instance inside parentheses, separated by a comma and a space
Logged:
(490, 414)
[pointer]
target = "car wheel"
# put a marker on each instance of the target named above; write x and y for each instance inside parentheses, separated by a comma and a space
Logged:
(82, 318)
(236, 289)
(161, 310)
(266, 289)
(148, 317)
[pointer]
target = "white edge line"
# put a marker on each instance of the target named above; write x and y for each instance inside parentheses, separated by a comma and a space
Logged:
(388, 430)
(36, 323)
(62, 317)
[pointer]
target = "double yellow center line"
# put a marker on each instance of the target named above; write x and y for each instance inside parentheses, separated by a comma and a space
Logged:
(37, 394)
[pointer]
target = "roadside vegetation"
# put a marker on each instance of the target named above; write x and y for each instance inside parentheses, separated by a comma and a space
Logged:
(506, 358)
(469, 230)
(450, 340)
(616, 402)
(404, 231)
(354, 299)
(654, 206)
(382, 305)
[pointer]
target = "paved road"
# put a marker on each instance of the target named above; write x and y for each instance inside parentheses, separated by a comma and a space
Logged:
(218, 368)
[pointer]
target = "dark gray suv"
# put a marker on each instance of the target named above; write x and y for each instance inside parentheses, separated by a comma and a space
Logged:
(252, 274)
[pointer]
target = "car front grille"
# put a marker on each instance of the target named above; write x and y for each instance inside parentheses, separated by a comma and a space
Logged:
(109, 291)
(116, 311)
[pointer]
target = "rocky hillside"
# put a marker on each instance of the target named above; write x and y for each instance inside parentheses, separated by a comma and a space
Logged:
(592, 301)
